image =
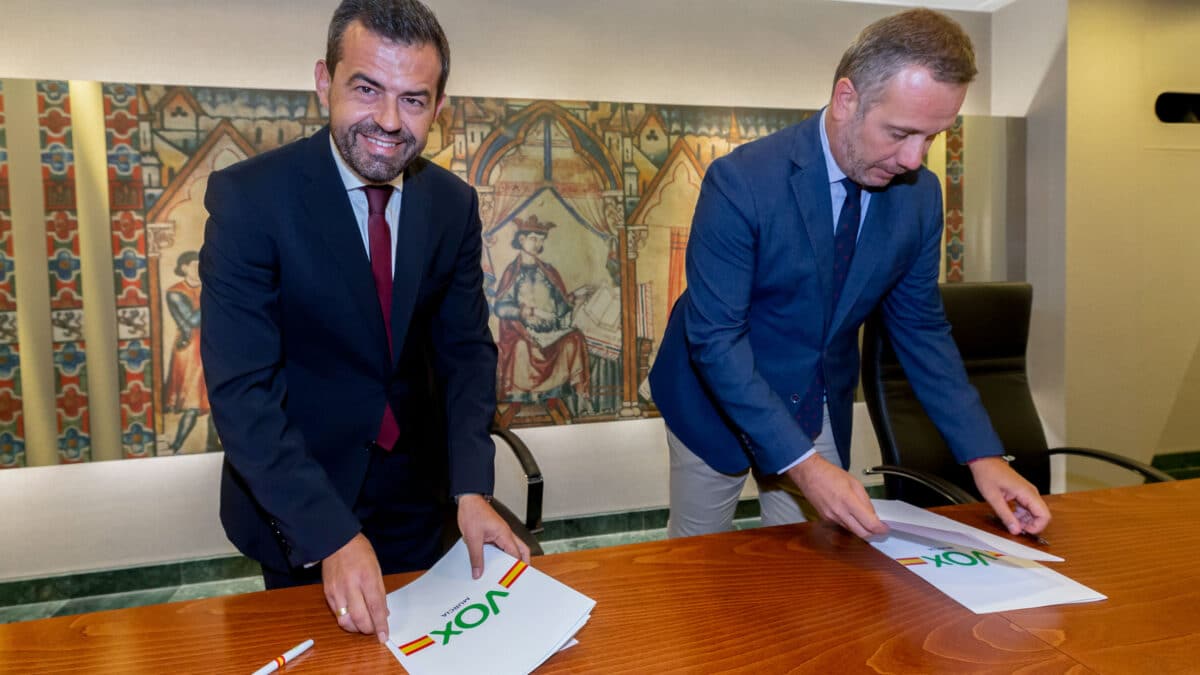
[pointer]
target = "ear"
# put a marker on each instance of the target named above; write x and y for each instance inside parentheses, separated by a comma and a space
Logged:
(440, 103)
(323, 80)
(844, 102)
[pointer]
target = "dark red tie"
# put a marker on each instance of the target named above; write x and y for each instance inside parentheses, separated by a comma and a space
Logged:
(380, 239)
(845, 236)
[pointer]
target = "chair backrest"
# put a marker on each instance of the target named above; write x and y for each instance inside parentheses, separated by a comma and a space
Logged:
(990, 325)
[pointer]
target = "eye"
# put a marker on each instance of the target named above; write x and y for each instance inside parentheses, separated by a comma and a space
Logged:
(365, 90)
(413, 102)
(899, 135)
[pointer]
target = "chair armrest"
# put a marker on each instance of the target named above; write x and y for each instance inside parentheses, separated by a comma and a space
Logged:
(533, 478)
(951, 492)
(1151, 474)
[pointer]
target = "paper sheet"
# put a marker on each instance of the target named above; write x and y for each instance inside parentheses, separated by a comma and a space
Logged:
(510, 620)
(980, 580)
(981, 571)
(909, 519)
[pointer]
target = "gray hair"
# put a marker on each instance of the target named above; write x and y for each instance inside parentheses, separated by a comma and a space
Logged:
(917, 37)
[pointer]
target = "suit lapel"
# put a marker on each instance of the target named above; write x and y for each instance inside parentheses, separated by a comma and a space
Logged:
(412, 238)
(330, 213)
(810, 185)
(868, 253)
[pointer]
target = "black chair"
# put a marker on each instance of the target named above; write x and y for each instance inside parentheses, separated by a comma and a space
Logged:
(532, 525)
(990, 324)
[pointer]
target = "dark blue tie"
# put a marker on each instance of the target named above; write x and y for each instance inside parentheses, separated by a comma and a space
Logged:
(844, 239)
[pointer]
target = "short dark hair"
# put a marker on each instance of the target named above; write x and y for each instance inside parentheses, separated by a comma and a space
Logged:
(185, 258)
(408, 22)
(917, 37)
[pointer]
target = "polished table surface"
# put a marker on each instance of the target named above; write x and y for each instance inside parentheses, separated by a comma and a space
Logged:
(801, 598)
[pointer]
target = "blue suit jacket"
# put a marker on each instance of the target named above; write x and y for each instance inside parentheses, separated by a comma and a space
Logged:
(744, 340)
(296, 355)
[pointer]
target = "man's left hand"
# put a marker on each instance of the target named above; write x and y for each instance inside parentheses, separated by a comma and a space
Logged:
(480, 524)
(1001, 486)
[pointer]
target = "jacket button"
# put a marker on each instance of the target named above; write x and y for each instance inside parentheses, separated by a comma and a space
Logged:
(795, 398)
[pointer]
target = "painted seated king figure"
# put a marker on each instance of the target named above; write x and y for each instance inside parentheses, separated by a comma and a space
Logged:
(543, 356)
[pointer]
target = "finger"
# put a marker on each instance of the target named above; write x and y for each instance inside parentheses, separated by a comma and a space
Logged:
(1000, 506)
(864, 511)
(1038, 512)
(358, 612)
(475, 554)
(848, 521)
(864, 514)
(341, 612)
(376, 601)
(517, 548)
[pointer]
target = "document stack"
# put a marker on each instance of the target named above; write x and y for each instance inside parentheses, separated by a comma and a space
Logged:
(510, 620)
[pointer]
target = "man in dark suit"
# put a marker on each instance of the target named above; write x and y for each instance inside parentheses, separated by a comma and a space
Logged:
(345, 341)
(796, 239)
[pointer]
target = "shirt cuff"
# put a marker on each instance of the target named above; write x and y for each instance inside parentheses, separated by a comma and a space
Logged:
(810, 453)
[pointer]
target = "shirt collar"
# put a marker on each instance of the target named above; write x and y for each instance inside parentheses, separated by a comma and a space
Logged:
(831, 166)
(350, 177)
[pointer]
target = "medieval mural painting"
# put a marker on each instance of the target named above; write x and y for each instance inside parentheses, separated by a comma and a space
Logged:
(586, 209)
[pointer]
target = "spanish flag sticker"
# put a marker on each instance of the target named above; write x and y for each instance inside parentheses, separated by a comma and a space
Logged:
(416, 645)
(911, 561)
(515, 571)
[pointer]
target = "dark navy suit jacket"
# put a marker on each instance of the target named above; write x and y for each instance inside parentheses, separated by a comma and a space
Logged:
(744, 340)
(296, 355)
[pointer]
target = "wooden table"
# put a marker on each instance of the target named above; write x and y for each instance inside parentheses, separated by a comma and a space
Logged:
(803, 598)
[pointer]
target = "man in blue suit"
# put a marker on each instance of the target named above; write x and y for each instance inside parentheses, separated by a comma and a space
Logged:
(349, 363)
(796, 239)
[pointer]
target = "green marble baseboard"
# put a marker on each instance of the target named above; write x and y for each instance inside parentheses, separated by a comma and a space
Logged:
(106, 582)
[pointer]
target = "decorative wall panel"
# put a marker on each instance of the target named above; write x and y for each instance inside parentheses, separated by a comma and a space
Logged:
(955, 249)
(12, 425)
(64, 264)
(586, 210)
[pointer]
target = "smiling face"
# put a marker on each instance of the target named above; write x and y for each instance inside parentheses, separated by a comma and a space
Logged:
(382, 98)
(892, 134)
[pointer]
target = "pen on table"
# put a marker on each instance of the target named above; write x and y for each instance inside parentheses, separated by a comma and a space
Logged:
(287, 657)
(1028, 535)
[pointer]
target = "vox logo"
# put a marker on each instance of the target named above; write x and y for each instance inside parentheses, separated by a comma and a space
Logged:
(471, 616)
(959, 558)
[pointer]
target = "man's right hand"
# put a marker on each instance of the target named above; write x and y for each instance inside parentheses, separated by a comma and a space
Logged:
(837, 496)
(354, 583)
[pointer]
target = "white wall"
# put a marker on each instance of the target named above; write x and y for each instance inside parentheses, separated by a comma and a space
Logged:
(760, 53)
(1029, 43)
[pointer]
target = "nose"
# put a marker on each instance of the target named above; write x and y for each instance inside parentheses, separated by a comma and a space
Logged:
(912, 153)
(387, 116)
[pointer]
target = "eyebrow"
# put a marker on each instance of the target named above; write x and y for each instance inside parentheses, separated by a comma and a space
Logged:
(359, 77)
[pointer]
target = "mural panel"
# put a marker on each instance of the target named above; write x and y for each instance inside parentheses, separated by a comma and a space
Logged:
(64, 264)
(12, 425)
(586, 210)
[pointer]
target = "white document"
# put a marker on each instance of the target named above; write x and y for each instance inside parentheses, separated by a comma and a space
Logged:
(908, 519)
(981, 571)
(510, 620)
(981, 580)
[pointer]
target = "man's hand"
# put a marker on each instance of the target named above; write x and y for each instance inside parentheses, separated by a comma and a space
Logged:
(1000, 485)
(353, 582)
(837, 496)
(480, 524)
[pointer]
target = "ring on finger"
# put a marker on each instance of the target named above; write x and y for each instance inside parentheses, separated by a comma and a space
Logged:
(343, 611)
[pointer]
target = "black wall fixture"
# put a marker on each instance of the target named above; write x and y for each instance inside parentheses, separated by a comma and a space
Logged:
(1175, 107)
